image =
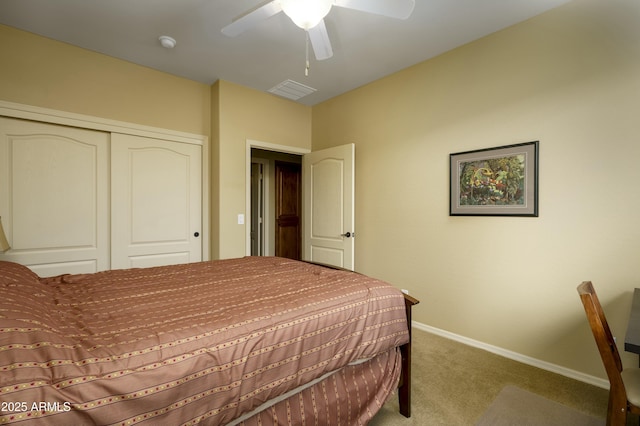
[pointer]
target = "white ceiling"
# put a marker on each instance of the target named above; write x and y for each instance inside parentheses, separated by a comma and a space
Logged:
(366, 47)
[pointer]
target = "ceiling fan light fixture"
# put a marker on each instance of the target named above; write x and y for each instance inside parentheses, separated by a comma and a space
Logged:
(306, 13)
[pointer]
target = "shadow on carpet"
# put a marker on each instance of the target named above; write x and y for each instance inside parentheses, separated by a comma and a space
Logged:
(514, 406)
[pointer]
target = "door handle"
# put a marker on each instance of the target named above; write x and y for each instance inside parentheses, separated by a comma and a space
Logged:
(348, 234)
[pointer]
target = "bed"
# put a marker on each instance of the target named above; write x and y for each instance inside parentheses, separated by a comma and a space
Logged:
(248, 341)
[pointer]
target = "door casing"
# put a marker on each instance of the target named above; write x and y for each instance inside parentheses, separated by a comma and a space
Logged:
(349, 219)
(269, 147)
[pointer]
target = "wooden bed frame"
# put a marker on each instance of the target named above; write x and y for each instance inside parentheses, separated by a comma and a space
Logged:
(404, 391)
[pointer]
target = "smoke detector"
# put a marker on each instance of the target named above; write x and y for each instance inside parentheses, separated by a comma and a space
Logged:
(167, 42)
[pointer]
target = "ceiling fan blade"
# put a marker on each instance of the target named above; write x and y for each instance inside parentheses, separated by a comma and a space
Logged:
(252, 18)
(320, 41)
(400, 9)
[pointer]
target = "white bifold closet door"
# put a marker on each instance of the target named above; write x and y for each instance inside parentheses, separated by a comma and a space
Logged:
(54, 196)
(156, 198)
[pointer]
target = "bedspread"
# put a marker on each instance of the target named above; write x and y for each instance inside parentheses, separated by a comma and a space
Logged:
(202, 342)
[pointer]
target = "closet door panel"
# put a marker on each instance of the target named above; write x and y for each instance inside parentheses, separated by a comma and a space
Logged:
(156, 202)
(54, 196)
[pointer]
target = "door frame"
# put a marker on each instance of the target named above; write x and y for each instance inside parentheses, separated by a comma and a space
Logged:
(266, 214)
(250, 143)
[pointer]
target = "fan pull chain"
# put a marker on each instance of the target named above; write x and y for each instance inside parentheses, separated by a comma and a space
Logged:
(306, 69)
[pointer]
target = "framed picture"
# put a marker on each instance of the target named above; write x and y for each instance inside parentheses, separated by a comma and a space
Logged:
(501, 181)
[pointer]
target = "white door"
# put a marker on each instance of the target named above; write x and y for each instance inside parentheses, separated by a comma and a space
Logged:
(329, 198)
(54, 196)
(156, 202)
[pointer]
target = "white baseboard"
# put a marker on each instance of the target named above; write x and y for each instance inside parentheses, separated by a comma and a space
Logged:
(592, 380)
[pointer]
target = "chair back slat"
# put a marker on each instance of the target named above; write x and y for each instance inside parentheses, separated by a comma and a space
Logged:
(602, 333)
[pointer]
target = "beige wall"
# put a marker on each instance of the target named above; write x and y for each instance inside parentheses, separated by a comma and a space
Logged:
(246, 114)
(46, 73)
(570, 79)
(214, 167)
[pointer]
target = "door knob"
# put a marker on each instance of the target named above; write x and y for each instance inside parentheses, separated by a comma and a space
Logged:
(196, 234)
(348, 234)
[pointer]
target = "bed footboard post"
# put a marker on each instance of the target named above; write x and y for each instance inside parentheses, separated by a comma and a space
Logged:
(404, 392)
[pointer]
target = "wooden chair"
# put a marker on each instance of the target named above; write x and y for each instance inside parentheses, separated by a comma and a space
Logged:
(624, 392)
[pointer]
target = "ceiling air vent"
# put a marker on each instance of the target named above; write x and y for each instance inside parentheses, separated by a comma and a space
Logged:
(291, 90)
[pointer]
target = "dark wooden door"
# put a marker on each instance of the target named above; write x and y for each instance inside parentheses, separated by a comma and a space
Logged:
(288, 210)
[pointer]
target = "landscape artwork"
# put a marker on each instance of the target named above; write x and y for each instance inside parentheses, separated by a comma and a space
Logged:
(495, 181)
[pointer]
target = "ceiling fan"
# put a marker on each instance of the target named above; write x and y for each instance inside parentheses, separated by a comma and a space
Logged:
(309, 15)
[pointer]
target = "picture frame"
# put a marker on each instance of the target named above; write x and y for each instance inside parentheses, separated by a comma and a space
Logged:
(500, 181)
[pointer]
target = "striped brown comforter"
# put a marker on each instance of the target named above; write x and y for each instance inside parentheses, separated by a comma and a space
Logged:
(204, 342)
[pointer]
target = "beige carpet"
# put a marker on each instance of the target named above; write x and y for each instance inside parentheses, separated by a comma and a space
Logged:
(455, 384)
(517, 407)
